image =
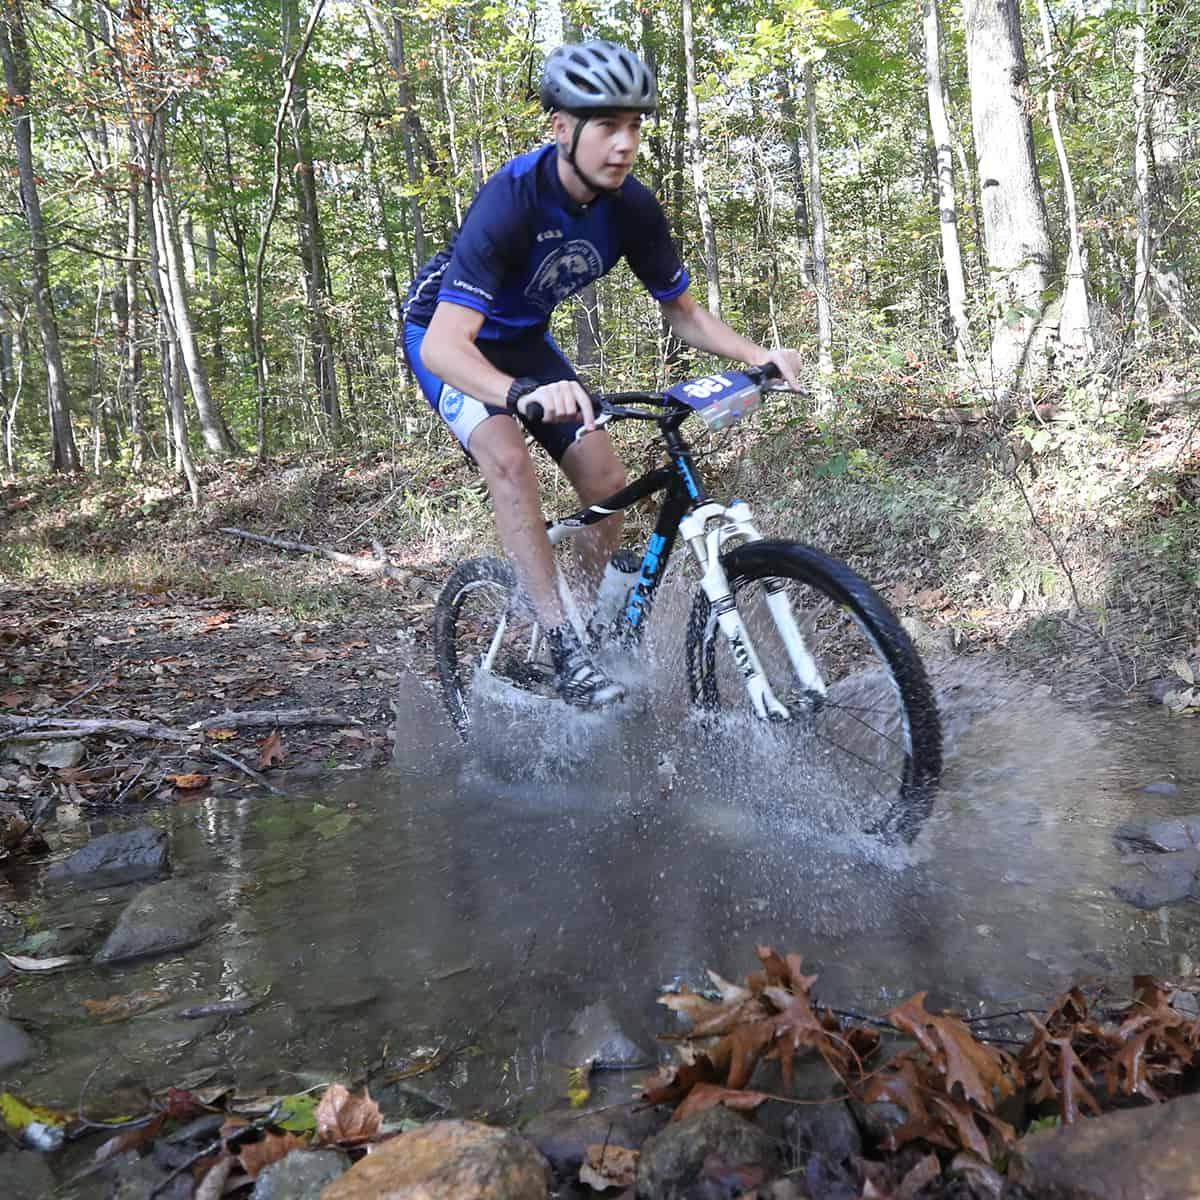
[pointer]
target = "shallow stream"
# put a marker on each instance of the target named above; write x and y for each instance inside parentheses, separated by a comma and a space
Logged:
(483, 901)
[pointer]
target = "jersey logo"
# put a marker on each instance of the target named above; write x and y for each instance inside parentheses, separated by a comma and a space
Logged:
(565, 270)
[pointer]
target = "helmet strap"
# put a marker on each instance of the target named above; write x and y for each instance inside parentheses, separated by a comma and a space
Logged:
(580, 120)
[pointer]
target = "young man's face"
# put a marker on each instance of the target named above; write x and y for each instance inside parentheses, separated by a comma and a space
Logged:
(607, 146)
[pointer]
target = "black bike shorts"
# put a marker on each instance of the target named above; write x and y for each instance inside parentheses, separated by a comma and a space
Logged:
(534, 356)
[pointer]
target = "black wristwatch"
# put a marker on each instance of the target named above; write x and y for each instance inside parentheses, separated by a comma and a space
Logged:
(517, 389)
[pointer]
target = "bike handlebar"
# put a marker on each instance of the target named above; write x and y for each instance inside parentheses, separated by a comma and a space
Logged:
(614, 404)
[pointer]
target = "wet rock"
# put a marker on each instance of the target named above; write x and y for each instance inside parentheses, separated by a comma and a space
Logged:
(597, 1038)
(1147, 1152)
(135, 1178)
(563, 1135)
(811, 1081)
(44, 752)
(414, 1101)
(1177, 833)
(16, 1046)
(301, 1175)
(26, 1175)
(159, 919)
(828, 1131)
(447, 1158)
(878, 1120)
(121, 857)
(1162, 787)
(671, 1161)
(1161, 879)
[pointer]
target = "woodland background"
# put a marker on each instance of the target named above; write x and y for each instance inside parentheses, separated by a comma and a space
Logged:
(210, 215)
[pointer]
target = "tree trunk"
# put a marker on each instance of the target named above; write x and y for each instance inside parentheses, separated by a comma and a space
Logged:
(1075, 324)
(64, 456)
(383, 244)
(391, 33)
(947, 202)
(214, 302)
(796, 156)
(1143, 294)
(699, 182)
(1019, 252)
(820, 263)
(309, 235)
(170, 262)
(131, 375)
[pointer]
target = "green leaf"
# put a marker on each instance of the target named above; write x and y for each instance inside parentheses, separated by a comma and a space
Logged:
(298, 1114)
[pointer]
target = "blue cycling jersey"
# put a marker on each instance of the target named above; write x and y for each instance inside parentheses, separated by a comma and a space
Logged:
(525, 246)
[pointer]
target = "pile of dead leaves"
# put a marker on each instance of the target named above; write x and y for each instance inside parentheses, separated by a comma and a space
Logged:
(949, 1082)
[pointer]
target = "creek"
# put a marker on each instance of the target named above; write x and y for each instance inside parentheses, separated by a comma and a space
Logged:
(481, 901)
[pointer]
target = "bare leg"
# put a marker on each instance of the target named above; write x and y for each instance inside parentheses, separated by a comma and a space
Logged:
(595, 472)
(498, 446)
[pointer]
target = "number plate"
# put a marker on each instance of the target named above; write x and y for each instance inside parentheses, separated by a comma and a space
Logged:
(719, 399)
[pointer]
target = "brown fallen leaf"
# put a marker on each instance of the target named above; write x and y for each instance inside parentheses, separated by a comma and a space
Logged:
(344, 1118)
(122, 1007)
(220, 735)
(270, 750)
(189, 783)
(216, 621)
(607, 1166)
(708, 1095)
(257, 1156)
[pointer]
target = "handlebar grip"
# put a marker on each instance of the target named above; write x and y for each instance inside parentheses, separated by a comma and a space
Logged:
(770, 371)
(531, 410)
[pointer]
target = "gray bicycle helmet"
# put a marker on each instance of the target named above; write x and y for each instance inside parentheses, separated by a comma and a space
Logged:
(597, 75)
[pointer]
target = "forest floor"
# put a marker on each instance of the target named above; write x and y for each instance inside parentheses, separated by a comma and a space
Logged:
(1079, 559)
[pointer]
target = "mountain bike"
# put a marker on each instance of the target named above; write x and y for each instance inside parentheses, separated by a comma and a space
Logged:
(779, 634)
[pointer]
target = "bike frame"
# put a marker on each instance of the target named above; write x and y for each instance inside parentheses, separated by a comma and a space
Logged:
(706, 527)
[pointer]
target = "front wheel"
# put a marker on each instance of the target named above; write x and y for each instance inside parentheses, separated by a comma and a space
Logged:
(870, 726)
(482, 623)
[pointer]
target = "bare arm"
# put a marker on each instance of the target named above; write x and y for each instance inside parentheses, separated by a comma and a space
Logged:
(699, 328)
(449, 351)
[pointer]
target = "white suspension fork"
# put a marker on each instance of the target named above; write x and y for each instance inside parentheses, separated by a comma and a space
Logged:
(705, 542)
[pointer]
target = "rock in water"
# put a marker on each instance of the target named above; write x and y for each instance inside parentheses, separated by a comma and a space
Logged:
(15, 1046)
(671, 1161)
(1161, 879)
(160, 919)
(301, 1175)
(114, 858)
(1148, 1152)
(447, 1159)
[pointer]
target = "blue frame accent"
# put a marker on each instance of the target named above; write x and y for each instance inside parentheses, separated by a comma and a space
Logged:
(651, 564)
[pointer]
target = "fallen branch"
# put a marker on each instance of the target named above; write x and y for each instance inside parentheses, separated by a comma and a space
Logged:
(378, 567)
(258, 778)
(277, 718)
(62, 727)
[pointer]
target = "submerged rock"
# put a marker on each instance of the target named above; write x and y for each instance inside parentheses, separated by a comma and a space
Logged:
(1162, 879)
(1147, 1152)
(596, 1038)
(15, 1045)
(672, 1160)
(563, 1135)
(160, 919)
(1175, 833)
(444, 1159)
(301, 1175)
(114, 858)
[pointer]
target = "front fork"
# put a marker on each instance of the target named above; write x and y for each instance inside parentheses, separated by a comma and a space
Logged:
(705, 530)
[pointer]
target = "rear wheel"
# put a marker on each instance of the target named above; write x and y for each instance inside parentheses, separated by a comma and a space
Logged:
(481, 621)
(874, 732)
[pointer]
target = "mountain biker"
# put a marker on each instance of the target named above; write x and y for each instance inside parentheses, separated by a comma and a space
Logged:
(543, 227)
